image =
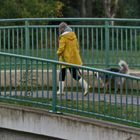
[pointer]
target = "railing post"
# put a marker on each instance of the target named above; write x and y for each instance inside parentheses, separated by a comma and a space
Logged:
(26, 37)
(54, 87)
(106, 43)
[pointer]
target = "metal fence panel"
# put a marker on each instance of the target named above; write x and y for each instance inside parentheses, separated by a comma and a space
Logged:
(101, 44)
(35, 82)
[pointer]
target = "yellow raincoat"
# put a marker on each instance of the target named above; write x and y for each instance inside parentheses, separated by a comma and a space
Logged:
(68, 50)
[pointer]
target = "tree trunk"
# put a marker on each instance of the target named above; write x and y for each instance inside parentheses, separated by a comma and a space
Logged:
(110, 8)
(107, 6)
(89, 8)
(83, 8)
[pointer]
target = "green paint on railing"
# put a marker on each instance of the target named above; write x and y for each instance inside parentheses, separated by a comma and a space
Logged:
(101, 44)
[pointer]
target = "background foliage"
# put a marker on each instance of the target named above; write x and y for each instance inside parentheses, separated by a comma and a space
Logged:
(69, 8)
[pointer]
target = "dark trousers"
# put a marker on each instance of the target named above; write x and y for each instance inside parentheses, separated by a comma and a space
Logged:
(73, 71)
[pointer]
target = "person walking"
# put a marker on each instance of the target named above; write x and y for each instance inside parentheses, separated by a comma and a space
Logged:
(68, 51)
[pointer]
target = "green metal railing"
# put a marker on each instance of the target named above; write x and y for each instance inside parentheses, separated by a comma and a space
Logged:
(34, 81)
(101, 43)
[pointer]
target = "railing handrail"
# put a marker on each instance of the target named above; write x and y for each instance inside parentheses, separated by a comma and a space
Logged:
(68, 19)
(79, 26)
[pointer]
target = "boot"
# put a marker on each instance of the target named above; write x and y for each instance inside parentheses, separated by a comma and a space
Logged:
(84, 84)
(61, 88)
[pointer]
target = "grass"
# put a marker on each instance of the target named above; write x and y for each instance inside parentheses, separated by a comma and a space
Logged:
(98, 58)
(128, 115)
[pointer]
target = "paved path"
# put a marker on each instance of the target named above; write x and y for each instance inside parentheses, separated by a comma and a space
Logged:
(78, 96)
(105, 97)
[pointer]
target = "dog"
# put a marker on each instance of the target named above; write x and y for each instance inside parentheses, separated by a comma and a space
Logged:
(109, 80)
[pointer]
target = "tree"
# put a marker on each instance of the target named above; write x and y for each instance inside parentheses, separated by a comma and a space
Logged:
(30, 8)
(129, 9)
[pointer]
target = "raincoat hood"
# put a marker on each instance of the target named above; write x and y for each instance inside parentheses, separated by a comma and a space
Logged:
(68, 35)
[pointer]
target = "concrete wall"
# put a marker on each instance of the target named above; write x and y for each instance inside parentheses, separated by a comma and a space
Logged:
(61, 126)
(8, 134)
